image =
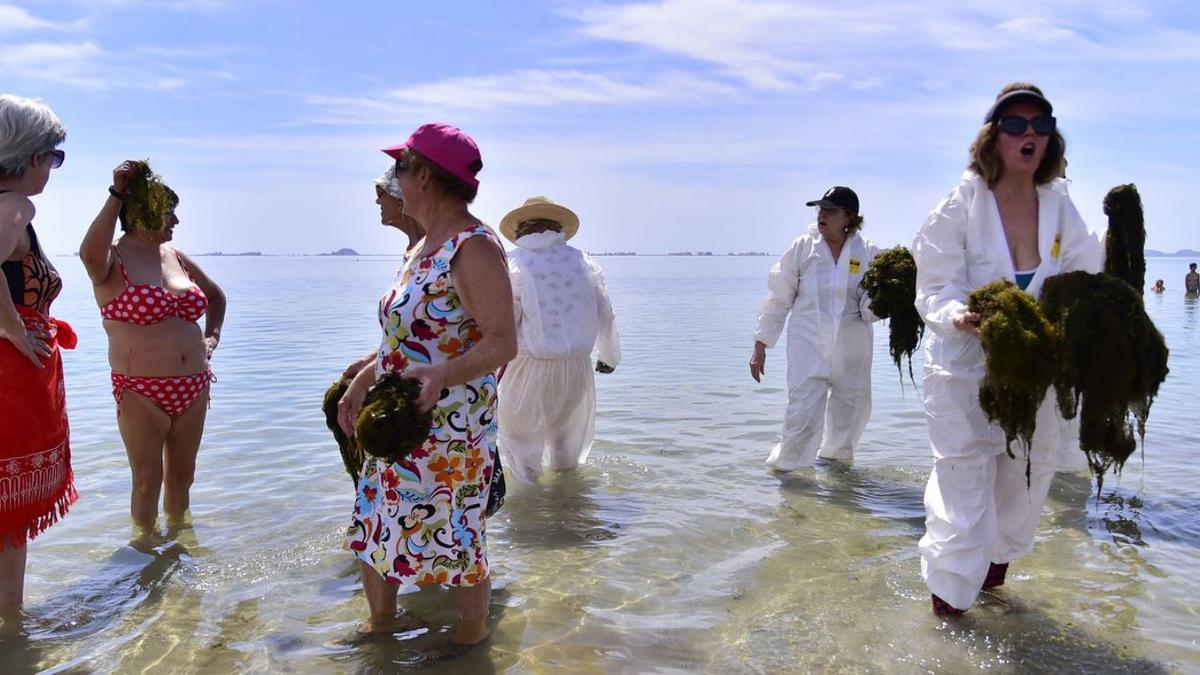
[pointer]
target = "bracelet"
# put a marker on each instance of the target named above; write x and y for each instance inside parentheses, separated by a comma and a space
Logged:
(113, 191)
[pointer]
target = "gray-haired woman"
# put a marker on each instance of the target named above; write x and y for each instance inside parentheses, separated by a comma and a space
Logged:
(36, 483)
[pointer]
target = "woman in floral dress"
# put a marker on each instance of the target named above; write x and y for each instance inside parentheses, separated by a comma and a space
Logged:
(447, 322)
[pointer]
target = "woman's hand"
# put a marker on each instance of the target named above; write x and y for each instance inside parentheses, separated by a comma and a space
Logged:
(433, 381)
(122, 174)
(967, 322)
(34, 344)
(210, 346)
(351, 403)
(758, 361)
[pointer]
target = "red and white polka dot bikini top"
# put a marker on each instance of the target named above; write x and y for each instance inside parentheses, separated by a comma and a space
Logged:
(145, 304)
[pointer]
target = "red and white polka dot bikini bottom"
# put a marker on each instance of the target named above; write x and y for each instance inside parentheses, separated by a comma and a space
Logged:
(173, 394)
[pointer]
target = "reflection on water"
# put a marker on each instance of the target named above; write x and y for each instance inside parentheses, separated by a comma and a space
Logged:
(672, 550)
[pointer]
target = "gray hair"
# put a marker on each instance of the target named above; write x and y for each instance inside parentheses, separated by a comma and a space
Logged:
(28, 127)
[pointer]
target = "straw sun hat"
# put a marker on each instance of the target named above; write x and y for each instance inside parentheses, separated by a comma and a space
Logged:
(539, 208)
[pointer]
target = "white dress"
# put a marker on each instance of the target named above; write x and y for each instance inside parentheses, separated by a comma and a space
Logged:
(547, 409)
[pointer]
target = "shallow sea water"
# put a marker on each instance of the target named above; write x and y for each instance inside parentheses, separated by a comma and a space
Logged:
(672, 550)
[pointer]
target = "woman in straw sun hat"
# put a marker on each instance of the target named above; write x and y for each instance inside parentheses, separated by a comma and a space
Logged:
(562, 310)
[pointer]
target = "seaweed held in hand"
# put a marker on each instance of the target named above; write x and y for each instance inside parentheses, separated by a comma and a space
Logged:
(1125, 243)
(1019, 347)
(390, 426)
(891, 283)
(147, 200)
(1112, 361)
(352, 454)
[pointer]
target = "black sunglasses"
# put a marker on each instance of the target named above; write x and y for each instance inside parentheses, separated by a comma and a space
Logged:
(400, 165)
(57, 157)
(1015, 125)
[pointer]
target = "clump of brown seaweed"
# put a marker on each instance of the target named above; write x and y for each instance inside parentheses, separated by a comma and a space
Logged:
(1020, 349)
(891, 283)
(1125, 243)
(390, 425)
(352, 454)
(1111, 361)
(147, 200)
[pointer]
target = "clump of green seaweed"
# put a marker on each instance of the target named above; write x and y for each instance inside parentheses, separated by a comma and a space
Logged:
(891, 283)
(1020, 349)
(147, 199)
(352, 453)
(390, 425)
(1125, 243)
(1111, 361)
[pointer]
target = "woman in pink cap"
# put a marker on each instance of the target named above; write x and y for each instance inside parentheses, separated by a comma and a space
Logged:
(447, 322)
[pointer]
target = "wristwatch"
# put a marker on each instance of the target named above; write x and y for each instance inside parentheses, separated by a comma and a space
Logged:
(113, 191)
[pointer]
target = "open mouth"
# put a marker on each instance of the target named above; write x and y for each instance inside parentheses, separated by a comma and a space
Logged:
(1027, 150)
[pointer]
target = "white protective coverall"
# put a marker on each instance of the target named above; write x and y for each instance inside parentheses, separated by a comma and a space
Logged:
(547, 397)
(978, 508)
(829, 347)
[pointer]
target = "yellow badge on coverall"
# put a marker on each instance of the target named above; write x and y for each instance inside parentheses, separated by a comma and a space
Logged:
(1057, 245)
(854, 265)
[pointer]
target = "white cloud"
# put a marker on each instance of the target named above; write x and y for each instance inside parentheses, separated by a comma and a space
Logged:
(15, 19)
(87, 65)
(69, 63)
(518, 90)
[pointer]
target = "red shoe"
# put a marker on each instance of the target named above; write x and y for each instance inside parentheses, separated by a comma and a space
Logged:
(943, 609)
(995, 575)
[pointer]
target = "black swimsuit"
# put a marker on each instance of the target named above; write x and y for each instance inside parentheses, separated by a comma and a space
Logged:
(32, 281)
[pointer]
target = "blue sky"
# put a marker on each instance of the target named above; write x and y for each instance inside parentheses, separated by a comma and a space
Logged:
(670, 125)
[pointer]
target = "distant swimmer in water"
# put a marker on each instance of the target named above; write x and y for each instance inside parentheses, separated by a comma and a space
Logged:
(1191, 282)
(1159, 287)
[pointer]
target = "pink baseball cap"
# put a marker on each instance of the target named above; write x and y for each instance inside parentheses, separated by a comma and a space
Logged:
(447, 146)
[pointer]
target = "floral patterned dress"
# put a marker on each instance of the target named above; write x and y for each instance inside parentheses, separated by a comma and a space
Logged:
(421, 520)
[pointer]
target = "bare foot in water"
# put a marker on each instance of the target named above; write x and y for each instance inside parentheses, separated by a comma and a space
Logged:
(470, 632)
(396, 623)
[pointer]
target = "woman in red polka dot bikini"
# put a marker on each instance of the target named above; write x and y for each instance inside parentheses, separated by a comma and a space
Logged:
(151, 297)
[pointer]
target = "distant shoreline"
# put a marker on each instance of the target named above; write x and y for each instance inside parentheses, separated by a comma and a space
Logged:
(1150, 253)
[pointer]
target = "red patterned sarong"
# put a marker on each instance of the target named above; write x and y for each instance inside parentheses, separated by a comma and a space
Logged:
(36, 483)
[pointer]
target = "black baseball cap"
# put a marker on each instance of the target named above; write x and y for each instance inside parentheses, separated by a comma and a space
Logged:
(837, 197)
(1013, 96)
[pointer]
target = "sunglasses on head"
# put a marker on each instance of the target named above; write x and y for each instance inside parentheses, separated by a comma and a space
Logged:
(1015, 125)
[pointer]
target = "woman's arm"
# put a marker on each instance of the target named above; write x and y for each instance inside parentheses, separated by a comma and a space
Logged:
(15, 213)
(608, 340)
(214, 319)
(782, 285)
(96, 249)
(940, 251)
(481, 280)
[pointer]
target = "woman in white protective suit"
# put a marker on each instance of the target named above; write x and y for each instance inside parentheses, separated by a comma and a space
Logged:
(1008, 219)
(547, 414)
(814, 288)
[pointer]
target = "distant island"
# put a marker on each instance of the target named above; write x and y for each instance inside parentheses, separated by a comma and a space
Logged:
(1181, 253)
(342, 251)
(612, 253)
(705, 253)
